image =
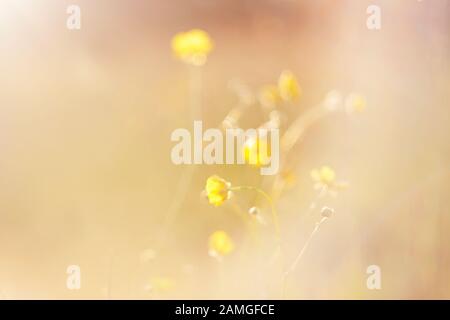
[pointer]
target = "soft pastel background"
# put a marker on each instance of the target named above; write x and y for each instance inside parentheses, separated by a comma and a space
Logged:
(85, 170)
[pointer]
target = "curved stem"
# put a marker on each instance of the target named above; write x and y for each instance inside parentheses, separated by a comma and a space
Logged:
(272, 206)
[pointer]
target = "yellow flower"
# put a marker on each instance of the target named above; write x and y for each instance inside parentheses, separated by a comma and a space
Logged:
(192, 46)
(289, 178)
(288, 86)
(269, 96)
(220, 244)
(256, 152)
(162, 284)
(355, 103)
(217, 190)
(324, 176)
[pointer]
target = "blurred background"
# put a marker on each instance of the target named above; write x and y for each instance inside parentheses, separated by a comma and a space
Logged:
(86, 177)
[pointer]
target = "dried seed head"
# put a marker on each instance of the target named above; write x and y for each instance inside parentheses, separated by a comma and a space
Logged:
(327, 212)
(254, 211)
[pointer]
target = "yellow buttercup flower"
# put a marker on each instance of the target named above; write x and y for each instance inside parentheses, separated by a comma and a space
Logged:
(162, 284)
(192, 46)
(220, 244)
(355, 103)
(256, 152)
(269, 96)
(217, 190)
(324, 176)
(288, 86)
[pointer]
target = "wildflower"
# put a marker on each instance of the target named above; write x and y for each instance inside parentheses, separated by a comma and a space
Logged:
(220, 244)
(288, 86)
(192, 46)
(161, 284)
(269, 96)
(217, 190)
(325, 181)
(323, 177)
(256, 151)
(355, 103)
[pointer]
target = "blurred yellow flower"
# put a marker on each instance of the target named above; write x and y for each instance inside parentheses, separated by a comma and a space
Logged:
(162, 284)
(256, 152)
(269, 96)
(220, 244)
(217, 190)
(288, 86)
(192, 46)
(324, 176)
(355, 103)
(289, 178)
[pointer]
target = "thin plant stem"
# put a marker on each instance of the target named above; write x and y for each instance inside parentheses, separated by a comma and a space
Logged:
(195, 91)
(301, 252)
(322, 192)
